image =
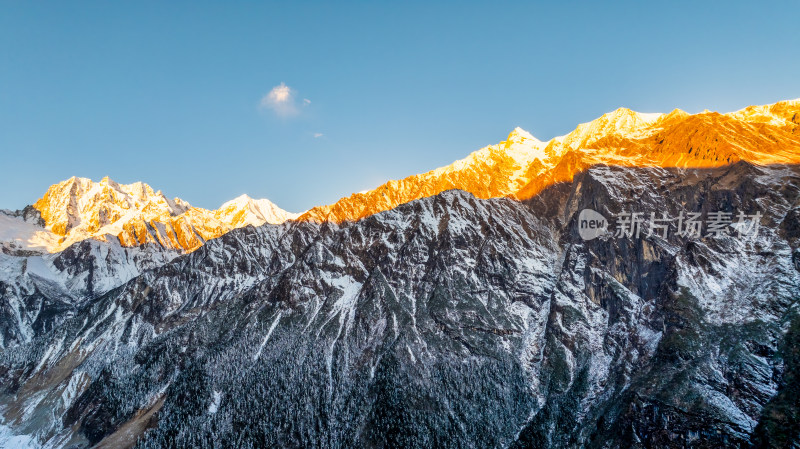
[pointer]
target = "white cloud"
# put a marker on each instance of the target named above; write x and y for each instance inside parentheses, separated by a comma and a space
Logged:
(282, 100)
(318, 135)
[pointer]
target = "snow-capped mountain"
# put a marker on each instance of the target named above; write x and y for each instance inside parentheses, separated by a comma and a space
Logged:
(522, 166)
(243, 211)
(84, 238)
(456, 308)
(131, 214)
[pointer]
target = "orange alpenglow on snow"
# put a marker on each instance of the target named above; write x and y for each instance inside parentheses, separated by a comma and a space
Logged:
(523, 166)
(520, 167)
(134, 214)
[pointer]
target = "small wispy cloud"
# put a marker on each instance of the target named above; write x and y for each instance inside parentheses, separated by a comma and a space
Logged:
(282, 101)
(318, 135)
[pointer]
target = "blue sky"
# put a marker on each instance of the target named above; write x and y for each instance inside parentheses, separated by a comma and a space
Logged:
(173, 93)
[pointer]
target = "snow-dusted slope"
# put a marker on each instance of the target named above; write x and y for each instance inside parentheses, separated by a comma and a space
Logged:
(415, 315)
(21, 233)
(84, 238)
(39, 291)
(430, 323)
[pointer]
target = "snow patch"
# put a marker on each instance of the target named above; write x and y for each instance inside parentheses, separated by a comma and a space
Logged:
(9, 439)
(269, 333)
(215, 400)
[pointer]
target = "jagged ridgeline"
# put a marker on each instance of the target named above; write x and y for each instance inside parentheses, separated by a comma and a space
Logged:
(457, 308)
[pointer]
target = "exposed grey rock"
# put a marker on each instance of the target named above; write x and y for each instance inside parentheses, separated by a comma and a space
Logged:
(446, 322)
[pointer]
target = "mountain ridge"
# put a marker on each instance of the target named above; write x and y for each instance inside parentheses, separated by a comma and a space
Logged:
(522, 165)
(518, 167)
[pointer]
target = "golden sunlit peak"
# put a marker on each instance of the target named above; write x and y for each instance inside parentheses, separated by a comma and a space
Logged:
(518, 135)
(134, 214)
(522, 166)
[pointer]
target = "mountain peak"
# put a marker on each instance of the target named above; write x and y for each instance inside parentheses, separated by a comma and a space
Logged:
(621, 122)
(244, 210)
(519, 135)
(241, 199)
(623, 113)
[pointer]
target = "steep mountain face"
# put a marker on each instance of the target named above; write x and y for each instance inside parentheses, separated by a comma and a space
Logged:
(40, 291)
(457, 308)
(84, 238)
(131, 214)
(449, 321)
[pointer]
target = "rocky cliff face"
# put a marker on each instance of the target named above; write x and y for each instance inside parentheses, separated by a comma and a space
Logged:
(40, 291)
(84, 238)
(448, 321)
